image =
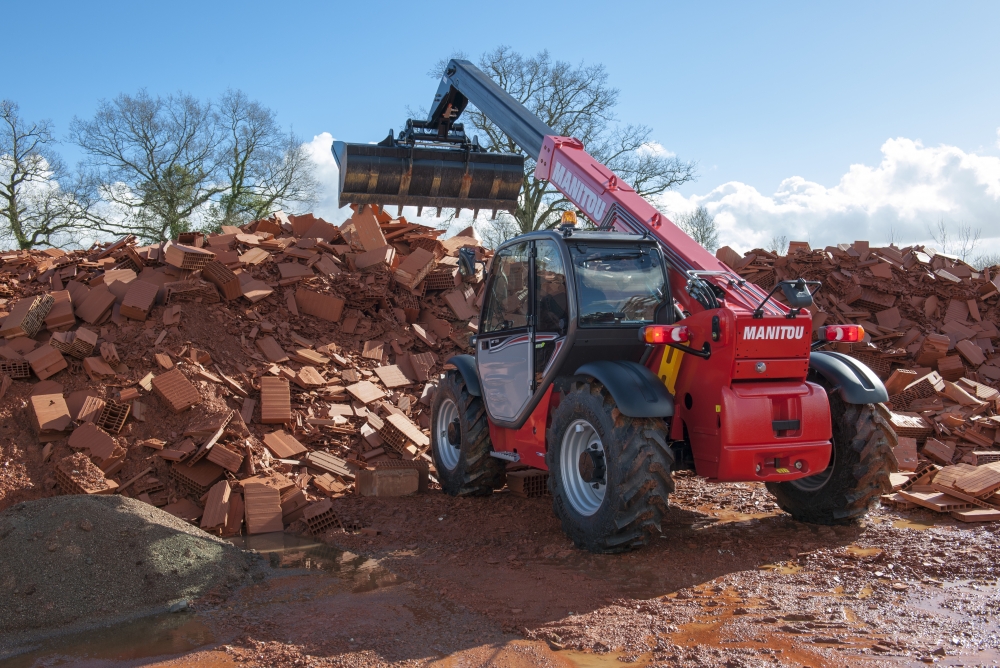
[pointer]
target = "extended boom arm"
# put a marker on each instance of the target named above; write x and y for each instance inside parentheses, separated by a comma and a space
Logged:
(592, 187)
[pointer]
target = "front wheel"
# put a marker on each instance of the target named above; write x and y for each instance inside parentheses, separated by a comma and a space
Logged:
(460, 441)
(609, 474)
(858, 473)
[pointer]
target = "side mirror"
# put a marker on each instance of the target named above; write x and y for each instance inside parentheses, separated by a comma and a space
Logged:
(796, 294)
(466, 261)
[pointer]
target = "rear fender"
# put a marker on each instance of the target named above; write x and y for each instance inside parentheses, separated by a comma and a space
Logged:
(637, 392)
(466, 365)
(856, 383)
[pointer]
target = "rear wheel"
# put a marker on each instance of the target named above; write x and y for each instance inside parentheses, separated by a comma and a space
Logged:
(857, 475)
(609, 474)
(460, 441)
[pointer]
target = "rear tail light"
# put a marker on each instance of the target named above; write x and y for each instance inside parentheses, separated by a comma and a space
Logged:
(664, 334)
(842, 333)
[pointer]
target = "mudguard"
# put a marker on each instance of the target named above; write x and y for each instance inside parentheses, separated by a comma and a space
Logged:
(637, 392)
(856, 383)
(466, 365)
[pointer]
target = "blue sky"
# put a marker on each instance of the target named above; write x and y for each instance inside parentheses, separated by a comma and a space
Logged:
(757, 93)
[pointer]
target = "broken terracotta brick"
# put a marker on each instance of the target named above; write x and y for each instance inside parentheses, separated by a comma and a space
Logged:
(175, 390)
(325, 307)
(139, 299)
(187, 257)
(45, 361)
(392, 376)
(283, 445)
(377, 257)
(89, 437)
(50, 412)
(223, 278)
(97, 368)
(262, 508)
(226, 457)
(369, 233)
(275, 401)
(26, 317)
(110, 354)
(96, 305)
(271, 350)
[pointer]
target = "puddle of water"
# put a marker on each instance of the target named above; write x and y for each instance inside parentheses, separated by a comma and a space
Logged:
(862, 551)
(919, 525)
(956, 600)
(159, 635)
(609, 660)
(722, 516)
(787, 568)
(285, 551)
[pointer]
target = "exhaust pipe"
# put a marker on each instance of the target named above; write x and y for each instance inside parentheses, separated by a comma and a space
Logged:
(424, 176)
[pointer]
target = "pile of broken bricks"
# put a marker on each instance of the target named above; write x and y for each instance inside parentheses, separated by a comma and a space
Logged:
(931, 323)
(241, 380)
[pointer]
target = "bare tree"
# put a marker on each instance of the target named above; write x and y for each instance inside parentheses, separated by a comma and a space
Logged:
(154, 159)
(779, 244)
(39, 205)
(575, 101)
(940, 235)
(968, 239)
(495, 232)
(266, 169)
(985, 260)
(892, 236)
(960, 241)
(701, 227)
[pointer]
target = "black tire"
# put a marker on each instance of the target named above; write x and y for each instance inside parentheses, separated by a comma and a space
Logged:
(859, 469)
(637, 462)
(474, 471)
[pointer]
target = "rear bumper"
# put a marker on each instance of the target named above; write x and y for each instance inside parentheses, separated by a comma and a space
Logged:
(752, 448)
(766, 462)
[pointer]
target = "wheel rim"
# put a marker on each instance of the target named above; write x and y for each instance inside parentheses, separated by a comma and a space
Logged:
(579, 458)
(447, 452)
(814, 483)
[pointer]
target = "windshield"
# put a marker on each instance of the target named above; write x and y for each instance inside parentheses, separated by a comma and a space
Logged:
(618, 285)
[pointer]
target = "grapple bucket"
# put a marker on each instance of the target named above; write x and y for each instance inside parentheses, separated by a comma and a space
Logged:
(428, 177)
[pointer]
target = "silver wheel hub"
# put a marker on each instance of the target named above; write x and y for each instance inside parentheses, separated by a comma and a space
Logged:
(583, 467)
(448, 450)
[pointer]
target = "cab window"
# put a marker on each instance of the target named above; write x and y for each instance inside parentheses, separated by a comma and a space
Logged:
(551, 304)
(507, 302)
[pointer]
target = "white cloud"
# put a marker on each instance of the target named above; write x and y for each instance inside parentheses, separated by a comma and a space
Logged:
(909, 190)
(655, 148)
(328, 178)
(912, 188)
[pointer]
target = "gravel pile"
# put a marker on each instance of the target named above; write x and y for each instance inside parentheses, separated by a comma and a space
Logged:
(88, 559)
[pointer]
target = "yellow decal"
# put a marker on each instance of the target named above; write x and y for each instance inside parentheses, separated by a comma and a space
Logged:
(781, 470)
(670, 366)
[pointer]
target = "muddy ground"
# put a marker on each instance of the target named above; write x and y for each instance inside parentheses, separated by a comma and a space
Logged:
(493, 582)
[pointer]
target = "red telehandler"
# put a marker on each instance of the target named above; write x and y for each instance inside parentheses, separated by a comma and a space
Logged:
(610, 357)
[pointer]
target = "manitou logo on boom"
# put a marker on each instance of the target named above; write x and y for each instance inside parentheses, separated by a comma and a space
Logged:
(752, 333)
(585, 198)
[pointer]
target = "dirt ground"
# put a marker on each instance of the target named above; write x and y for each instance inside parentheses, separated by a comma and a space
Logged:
(493, 582)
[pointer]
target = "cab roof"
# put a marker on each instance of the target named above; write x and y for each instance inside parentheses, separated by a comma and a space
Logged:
(586, 236)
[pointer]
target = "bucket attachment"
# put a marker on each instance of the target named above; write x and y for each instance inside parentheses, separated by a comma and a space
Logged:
(425, 176)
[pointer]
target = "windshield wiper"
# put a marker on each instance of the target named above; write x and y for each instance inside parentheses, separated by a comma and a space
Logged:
(602, 316)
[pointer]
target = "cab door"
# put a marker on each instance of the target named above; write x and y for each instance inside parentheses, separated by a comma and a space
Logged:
(505, 342)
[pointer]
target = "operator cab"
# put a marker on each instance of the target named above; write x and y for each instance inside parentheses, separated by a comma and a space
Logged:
(555, 301)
